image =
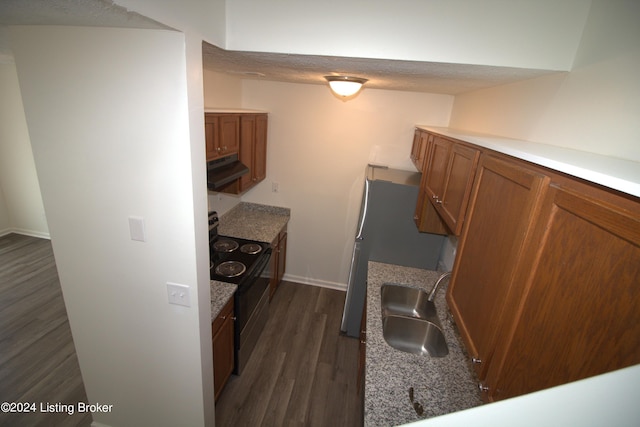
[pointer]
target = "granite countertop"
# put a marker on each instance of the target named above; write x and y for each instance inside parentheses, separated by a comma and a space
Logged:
(441, 385)
(221, 292)
(253, 221)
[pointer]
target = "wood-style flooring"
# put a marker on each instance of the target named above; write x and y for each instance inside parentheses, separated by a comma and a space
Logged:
(302, 371)
(38, 362)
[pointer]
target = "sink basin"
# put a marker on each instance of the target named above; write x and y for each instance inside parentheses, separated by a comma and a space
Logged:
(405, 301)
(414, 335)
(410, 322)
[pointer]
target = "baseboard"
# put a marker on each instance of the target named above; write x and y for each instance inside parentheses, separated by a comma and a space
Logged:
(31, 233)
(315, 282)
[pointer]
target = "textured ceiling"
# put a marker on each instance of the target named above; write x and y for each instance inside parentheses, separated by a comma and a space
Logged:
(382, 74)
(412, 76)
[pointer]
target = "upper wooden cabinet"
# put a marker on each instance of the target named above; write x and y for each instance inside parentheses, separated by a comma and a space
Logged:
(545, 287)
(222, 134)
(242, 133)
(253, 149)
(448, 177)
(421, 140)
(482, 295)
(580, 316)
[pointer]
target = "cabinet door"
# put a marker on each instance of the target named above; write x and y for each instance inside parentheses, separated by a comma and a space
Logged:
(278, 261)
(222, 341)
(211, 133)
(415, 148)
(260, 149)
(426, 217)
(582, 314)
(438, 160)
(282, 256)
(482, 295)
(229, 141)
(452, 202)
(247, 139)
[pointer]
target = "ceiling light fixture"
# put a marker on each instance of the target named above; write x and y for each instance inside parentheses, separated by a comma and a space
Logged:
(345, 85)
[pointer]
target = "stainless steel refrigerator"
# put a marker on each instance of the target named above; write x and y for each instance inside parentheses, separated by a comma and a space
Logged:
(386, 232)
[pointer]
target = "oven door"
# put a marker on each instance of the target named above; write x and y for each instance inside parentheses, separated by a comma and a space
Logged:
(249, 292)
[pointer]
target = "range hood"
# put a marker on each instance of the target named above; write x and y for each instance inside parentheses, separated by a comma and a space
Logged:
(223, 171)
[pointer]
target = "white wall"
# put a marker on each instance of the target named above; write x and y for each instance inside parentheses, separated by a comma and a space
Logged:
(595, 107)
(317, 150)
(21, 208)
(108, 115)
(530, 34)
(205, 18)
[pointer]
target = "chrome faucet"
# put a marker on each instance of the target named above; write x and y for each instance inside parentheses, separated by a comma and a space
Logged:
(443, 276)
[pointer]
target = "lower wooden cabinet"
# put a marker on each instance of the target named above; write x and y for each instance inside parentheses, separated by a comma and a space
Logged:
(222, 337)
(362, 349)
(278, 261)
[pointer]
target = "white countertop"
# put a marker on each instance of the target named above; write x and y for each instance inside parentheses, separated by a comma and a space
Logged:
(618, 174)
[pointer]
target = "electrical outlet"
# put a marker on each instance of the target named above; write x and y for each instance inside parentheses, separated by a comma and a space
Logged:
(179, 294)
(274, 187)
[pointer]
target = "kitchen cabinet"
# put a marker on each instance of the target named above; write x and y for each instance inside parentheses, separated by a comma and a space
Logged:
(447, 181)
(253, 149)
(362, 349)
(426, 217)
(545, 284)
(581, 314)
(222, 134)
(482, 295)
(421, 140)
(278, 261)
(222, 340)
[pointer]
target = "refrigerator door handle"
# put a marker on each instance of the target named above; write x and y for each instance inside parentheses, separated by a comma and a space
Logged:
(365, 206)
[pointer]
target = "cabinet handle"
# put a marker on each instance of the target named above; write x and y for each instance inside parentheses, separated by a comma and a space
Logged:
(438, 202)
(225, 318)
(483, 388)
(476, 361)
(218, 149)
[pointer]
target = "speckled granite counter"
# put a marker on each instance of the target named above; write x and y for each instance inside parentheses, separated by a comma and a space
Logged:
(254, 222)
(441, 385)
(221, 292)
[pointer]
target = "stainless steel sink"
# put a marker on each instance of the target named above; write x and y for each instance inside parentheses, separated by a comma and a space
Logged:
(410, 322)
(414, 335)
(405, 301)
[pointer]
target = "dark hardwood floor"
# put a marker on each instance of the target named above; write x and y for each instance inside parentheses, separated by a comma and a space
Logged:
(38, 362)
(302, 372)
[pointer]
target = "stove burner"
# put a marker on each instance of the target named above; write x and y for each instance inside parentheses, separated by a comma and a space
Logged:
(251, 248)
(231, 269)
(225, 245)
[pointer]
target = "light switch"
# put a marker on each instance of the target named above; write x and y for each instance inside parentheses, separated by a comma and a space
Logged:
(136, 228)
(179, 294)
